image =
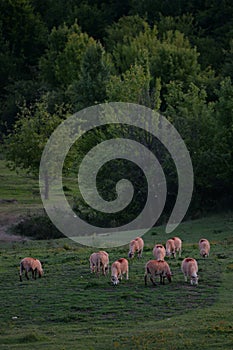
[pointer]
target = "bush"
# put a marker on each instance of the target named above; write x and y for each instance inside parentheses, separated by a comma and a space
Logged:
(37, 227)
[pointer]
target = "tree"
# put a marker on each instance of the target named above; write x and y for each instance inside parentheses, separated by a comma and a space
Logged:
(22, 40)
(90, 88)
(224, 136)
(25, 143)
(128, 40)
(131, 86)
(60, 66)
(194, 119)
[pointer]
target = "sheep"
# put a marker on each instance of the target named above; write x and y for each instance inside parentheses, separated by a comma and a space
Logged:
(159, 252)
(204, 247)
(30, 264)
(136, 245)
(189, 268)
(173, 245)
(118, 268)
(157, 268)
(99, 260)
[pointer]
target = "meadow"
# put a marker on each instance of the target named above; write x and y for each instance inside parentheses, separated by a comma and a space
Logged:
(70, 308)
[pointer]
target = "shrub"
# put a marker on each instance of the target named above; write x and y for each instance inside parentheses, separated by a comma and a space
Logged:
(37, 227)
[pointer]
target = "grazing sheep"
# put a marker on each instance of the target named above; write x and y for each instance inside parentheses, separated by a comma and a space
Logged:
(119, 267)
(157, 268)
(204, 247)
(159, 252)
(99, 260)
(136, 245)
(189, 268)
(173, 245)
(30, 264)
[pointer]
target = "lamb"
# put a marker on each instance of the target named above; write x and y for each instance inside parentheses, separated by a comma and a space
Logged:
(136, 245)
(173, 245)
(157, 268)
(118, 268)
(30, 264)
(204, 247)
(99, 260)
(159, 252)
(189, 268)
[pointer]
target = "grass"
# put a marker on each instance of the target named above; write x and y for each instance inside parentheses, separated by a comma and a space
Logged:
(70, 308)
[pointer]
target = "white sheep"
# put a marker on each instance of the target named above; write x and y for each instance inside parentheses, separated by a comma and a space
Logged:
(159, 252)
(204, 247)
(118, 269)
(189, 268)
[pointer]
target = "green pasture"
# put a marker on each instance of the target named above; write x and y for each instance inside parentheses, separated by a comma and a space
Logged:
(70, 308)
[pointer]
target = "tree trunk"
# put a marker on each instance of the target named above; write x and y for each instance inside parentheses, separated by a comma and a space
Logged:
(46, 186)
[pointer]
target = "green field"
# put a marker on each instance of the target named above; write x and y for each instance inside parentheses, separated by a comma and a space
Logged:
(70, 308)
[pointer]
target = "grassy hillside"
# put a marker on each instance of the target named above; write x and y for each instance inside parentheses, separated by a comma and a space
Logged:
(70, 308)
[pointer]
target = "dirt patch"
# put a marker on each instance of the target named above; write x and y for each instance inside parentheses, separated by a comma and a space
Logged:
(5, 237)
(8, 219)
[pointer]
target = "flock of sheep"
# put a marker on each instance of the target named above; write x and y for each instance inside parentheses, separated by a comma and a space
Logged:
(99, 261)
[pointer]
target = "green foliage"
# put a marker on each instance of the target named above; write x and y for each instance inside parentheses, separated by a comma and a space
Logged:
(60, 65)
(132, 86)
(134, 46)
(174, 57)
(224, 135)
(24, 31)
(124, 31)
(25, 144)
(90, 88)
(194, 118)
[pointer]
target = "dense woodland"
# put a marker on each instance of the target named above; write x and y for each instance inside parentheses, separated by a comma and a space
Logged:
(58, 57)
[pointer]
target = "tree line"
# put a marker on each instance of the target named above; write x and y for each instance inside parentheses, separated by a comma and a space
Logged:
(174, 57)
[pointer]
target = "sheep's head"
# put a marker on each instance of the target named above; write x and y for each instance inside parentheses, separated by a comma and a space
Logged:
(203, 253)
(194, 280)
(131, 254)
(114, 280)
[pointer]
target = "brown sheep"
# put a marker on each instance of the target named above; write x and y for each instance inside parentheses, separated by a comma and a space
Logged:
(99, 260)
(119, 267)
(136, 245)
(173, 245)
(157, 268)
(204, 247)
(30, 264)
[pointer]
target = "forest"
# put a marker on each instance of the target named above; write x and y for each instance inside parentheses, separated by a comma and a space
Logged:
(175, 57)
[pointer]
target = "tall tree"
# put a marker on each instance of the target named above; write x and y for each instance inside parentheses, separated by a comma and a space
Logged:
(224, 136)
(61, 64)
(25, 143)
(90, 88)
(194, 119)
